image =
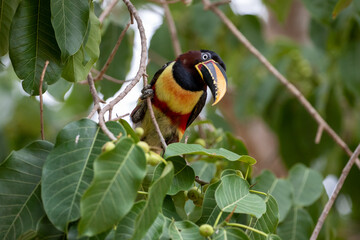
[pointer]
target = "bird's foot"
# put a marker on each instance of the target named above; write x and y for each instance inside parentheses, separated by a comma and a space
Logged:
(147, 91)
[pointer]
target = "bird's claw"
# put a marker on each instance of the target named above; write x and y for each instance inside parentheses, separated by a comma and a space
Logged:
(147, 91)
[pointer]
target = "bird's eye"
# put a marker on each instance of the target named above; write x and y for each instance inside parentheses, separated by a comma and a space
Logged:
(205, 56)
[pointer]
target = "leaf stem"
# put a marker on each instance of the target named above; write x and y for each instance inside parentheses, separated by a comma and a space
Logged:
(247, 171)
(248, 228)
(142, 192)
(258, 192)
(218, 218)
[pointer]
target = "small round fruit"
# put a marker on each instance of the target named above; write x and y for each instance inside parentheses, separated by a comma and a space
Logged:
(153, 158)
(144, 146)
(108, 147)
(206, 230)
(201, 142)
(139, 131)
(193, 193)
(199, 201)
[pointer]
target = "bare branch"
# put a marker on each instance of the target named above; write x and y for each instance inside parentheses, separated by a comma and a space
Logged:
(172, 28)
(319, 134)
(167, 2)
(139, 74)
(107, 11)
(107, 77)
(153, 119)
(216, 4)
(41, 100)
(97, 100)
(292, 89)
(112, 54)
(340, 183)
(120, 117)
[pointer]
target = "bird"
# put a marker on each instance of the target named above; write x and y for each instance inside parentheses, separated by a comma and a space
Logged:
(178, 93)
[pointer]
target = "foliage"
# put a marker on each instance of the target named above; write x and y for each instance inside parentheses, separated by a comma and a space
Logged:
(68, 187)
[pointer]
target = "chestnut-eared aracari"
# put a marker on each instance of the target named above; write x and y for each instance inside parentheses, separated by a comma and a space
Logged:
(178, 94)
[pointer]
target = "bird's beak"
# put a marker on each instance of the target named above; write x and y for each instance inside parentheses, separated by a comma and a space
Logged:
(214, 76)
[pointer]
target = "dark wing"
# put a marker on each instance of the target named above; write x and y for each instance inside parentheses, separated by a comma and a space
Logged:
(197, 109)
(139, 111)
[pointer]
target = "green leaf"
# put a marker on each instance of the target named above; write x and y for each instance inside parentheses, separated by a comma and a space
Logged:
(117, 176)
(297, 225)
(184, 175)
(78, 65)
(210, 209)
(70, 20)
(126, 227)
(46, 230)
(280, 189)
(268, 221)
(176, 149)
(7, 11)
(233, 194)
(204, 170)
(184, 230)
(20, 201)
(307, 185)
(320, 10)
(179, 203)
(153, 206)
(68, 169)
(32, 42)
(230, 233)
(168, 208)
(341, 5)
(233, 144)
(120, 65)
(129, 130)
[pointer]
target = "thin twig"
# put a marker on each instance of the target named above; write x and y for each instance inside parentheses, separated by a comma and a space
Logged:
(292, 89)
(107, 77)
(120, 117)
(107, 11)
(97, 100)
(41, 100)
(218, 3)
(319, 134)
(167, 2)
(172, 28)
(340, 183)
(112, 54)
(139, 74)
(153, 119)
(199, 181)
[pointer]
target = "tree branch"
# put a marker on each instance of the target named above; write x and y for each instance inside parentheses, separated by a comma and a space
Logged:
(41, 100)
(340, 183)
(292, 89)
(113, 52)
(97, 100)
(172, 27)
(139, 74)
(107, 11)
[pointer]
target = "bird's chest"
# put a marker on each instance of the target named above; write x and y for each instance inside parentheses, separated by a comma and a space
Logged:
(177, 99)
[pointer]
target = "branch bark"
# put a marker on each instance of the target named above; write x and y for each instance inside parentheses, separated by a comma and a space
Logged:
(340, 183)
(292, 89)
(41, 100)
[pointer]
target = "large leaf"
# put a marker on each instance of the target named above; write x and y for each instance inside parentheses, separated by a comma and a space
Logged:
(297, 225)
(184, 230)
(7, 11)
(210, 210)
(126, 227)
(153, 206)
(184, 175)
(230, 233)
(78, 65)
(117, 176)
(233, 195)
(32, 42)
(280, 189)
(268, 221)
(70, 20)
(204, 170)
(307, 185)
(20, 201)
(68, 169)
(176, 149)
